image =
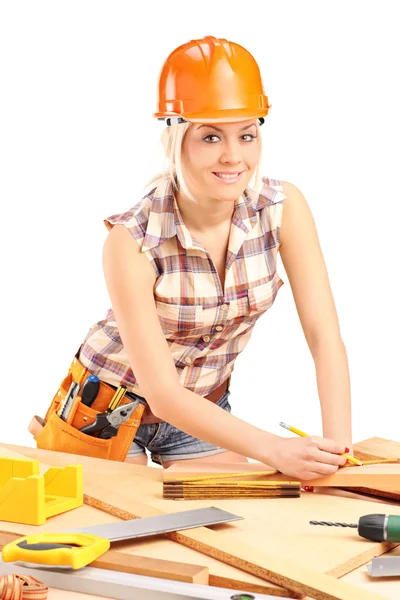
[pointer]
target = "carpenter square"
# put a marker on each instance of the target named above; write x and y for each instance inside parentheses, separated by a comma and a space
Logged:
(79, 547)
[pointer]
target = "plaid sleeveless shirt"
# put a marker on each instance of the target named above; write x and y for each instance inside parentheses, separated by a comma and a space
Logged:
(205, 327)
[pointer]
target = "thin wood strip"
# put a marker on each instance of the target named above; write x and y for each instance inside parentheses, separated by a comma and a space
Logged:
(218, 496)
(237, 584)
(138, 565)
(376, 461)
(278, 570)
(377, 493)
(221, 476)
(212, 493)
(233, 484)
(234, 493)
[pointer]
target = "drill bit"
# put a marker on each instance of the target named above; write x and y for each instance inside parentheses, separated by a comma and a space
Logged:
(330, 524)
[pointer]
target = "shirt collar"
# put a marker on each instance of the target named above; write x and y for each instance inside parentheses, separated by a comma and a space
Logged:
(165, 219)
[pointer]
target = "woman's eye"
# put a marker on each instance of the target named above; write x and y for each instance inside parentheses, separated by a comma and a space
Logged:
(212, 135)
(246, 135)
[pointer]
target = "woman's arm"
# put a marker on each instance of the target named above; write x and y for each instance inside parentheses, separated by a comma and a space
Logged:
(130, 280)
(305, 266)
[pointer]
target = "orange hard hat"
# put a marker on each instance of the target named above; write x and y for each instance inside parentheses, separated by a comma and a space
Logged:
(210, 80)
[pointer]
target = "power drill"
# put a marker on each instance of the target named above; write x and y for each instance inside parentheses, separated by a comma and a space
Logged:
(377, 527)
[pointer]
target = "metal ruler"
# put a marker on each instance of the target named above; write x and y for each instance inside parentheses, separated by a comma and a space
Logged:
(125, 586)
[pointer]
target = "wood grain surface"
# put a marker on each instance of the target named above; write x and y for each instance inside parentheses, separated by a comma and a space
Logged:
(271, 527)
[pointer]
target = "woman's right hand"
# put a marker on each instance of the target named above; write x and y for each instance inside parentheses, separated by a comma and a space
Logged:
(306, 457)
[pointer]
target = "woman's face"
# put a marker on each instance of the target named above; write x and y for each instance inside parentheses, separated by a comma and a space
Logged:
(219, 160)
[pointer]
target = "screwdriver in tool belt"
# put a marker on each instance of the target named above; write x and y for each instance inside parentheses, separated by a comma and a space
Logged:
(375, 527)
(90, 390)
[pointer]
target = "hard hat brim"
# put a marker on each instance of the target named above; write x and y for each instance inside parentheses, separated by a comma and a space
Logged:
(223, 116)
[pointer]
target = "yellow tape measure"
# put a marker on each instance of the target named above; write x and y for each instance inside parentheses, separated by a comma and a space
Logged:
(72, 549)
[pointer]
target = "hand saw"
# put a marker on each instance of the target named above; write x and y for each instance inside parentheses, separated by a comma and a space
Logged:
(79, 547)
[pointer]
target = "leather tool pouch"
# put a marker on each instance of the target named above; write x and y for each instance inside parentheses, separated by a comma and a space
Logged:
(64, 436)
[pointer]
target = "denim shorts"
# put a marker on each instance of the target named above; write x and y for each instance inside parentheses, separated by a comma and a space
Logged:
(165, 442)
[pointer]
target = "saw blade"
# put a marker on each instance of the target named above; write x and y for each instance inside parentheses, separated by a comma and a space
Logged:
(135, 528)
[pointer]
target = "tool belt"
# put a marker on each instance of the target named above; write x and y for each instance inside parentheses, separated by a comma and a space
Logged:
(65, 436)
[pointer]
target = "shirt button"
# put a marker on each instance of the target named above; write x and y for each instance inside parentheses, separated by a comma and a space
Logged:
(206, 338)
(219, 328)
(188, 360)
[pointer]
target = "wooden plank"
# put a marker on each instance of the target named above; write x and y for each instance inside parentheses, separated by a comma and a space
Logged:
(385, 476)
(152, 567)
(371, 476)
(379, 447)
(138, 565)
(100, 466)
(386, 449)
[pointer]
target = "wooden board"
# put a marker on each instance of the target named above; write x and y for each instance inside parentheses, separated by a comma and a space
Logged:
(298, 544)
(385, 449)
(385, 476)
(379, 447)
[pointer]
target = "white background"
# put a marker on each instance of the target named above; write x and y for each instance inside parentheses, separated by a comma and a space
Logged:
(78, 142)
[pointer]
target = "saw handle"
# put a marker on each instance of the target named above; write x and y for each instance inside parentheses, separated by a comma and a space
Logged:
(25, 546)
(72, 549)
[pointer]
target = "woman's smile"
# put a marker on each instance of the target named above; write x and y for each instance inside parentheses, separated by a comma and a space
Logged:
(227, 177)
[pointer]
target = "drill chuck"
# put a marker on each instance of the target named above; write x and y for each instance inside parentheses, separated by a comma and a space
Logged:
(380, 528)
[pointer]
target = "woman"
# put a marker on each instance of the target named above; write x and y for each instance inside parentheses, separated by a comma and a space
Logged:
(192, 266)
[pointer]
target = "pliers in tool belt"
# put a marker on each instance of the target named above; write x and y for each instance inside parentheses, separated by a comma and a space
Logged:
(108, 422)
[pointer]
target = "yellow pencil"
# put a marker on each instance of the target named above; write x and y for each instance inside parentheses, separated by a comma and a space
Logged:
(350, 458)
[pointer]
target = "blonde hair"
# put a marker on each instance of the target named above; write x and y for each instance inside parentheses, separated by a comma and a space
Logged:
(172, 139)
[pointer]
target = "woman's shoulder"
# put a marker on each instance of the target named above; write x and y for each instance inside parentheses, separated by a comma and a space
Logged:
(279, 184)
(271, 191)
(155, 199)
(281, 189)
(270, 181)
(133, 218)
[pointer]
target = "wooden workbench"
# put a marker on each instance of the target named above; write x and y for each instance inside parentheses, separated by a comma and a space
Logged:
(264, 520)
